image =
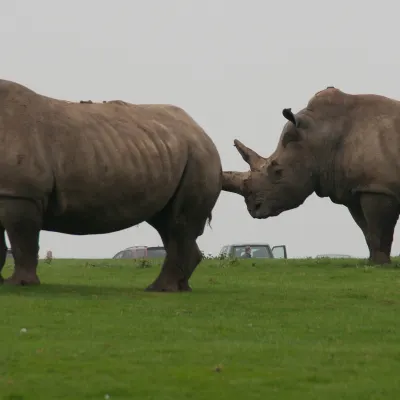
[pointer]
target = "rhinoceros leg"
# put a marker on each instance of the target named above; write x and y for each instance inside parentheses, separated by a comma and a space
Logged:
(191, 265)
(183, 220)
(381, 214)
(358, 216)
(179, 264)
(388, 233)
(22, 221)
(3, 252)
(179, 232)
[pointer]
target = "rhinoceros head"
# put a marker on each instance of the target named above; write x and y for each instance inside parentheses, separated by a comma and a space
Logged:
(280, 182)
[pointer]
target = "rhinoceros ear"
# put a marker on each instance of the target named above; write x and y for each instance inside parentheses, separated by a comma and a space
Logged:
(287, 113)
(292, 135)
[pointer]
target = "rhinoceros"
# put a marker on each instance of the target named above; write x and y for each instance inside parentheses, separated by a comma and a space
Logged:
(342, 146)
(92, 168)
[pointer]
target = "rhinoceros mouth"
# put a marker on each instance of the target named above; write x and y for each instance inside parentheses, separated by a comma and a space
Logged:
(264, 215)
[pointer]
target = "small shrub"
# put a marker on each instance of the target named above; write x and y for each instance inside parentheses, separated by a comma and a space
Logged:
(222, 261)
(143, 263)
(206, 257)
(89, 265)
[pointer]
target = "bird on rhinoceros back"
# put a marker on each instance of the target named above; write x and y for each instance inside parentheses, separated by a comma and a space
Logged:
(93, 168)
(342, 146)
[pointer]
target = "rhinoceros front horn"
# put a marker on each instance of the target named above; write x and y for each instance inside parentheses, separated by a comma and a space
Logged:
(254, 160)
(233, 181)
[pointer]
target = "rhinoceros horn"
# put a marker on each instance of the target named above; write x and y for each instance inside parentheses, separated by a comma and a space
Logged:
(254, 160)
(233, 181)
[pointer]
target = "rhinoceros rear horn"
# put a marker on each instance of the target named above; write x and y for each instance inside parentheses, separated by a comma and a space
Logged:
(287, 113)
(254, 160)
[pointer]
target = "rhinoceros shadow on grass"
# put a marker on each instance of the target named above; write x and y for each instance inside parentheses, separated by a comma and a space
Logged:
(49, 290)
(93, 168)
(342, 146)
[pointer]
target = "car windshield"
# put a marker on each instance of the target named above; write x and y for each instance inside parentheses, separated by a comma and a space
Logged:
(257, 251)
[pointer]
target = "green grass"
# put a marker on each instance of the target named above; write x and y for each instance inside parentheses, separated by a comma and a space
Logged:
(295, 329)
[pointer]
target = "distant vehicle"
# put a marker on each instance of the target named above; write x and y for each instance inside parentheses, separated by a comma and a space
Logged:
(142, 252)
(258, 250)
(333, 256)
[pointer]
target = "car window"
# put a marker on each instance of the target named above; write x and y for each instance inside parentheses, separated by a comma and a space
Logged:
(256, 251)
(127, 254)
(156, 253)
(139, 253)
(119, 255)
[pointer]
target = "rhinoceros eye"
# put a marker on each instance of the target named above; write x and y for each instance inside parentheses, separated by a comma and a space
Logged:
(278, 172)
(275, 170)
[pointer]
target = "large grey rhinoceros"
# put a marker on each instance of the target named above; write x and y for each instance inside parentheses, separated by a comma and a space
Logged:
(97, 168)
(342, 146)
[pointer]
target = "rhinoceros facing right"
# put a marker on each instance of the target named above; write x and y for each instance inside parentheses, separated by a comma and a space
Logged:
(92, 168)
(342, 146)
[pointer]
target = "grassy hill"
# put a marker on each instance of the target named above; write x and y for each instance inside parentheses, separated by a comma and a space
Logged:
(282, 329)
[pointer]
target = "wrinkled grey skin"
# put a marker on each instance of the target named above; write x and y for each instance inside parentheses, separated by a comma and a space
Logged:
(345, 147)
(93, 168)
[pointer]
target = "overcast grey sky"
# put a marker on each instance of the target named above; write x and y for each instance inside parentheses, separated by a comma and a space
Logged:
(232, 65)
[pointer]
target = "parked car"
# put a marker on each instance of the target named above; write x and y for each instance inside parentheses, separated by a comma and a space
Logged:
(333, 256)
(142, 252)
(258, 250)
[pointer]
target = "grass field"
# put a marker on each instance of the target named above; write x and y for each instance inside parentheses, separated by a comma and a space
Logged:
(282, 329)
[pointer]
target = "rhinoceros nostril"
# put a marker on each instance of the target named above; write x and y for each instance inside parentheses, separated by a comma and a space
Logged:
(257, 206)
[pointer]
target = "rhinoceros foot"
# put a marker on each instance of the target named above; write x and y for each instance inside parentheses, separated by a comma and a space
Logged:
(22, 278)
(380, 259)
(160, 286)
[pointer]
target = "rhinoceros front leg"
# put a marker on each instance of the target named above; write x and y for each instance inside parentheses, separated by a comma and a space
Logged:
(22, 221)
(358, 216)
(381, 214)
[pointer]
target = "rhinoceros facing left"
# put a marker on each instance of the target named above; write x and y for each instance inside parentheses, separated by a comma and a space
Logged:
(342, 146)
(96, 168)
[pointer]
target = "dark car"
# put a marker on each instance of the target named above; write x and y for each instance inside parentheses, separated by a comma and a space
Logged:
(257, 250)
(142, 252)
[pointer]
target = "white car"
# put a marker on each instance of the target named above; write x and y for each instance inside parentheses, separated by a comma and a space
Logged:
(333, 256)
(142, 252)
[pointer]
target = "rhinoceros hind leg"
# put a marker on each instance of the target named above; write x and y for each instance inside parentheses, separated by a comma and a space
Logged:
(183, 254)
(177, 267)
(22, 221)
(182, 221)
(3, 252)
(381, 214)
(173, 280)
